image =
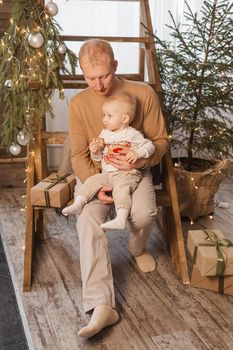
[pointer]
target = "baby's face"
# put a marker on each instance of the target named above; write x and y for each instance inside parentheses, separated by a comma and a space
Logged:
(113, 117)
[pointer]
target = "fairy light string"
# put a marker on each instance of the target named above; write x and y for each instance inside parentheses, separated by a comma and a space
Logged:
(31, 67)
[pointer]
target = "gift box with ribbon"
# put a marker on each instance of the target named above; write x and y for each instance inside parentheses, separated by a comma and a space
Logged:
(54, 191)
(220, 284)
(211, 252)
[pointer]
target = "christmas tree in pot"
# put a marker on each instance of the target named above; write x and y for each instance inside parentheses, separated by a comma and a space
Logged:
(196, 74)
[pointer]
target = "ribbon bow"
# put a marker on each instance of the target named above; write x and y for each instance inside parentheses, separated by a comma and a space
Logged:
(55, 181)
(214, 240)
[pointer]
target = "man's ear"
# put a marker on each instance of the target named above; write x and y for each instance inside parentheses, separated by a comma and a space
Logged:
(126, 119)
(115, 65)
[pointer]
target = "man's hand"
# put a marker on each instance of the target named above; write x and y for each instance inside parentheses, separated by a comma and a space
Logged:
(103, 197)
(119, 161)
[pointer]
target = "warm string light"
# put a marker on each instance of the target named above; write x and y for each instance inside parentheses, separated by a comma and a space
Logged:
(192, 221)
(27, 170)
(219, 130)
(181, 168)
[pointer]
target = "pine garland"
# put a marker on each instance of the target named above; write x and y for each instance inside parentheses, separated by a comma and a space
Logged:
(197, 83)
(28, 76)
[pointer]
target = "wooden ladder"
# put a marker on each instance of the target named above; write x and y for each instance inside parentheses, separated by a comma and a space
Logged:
(166, 197)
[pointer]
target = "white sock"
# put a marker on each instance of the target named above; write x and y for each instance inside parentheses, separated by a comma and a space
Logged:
(103, 315)
(119, 223)
(76, 207)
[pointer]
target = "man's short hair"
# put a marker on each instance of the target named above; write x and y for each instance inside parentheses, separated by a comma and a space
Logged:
(127, 104)
(93, 51)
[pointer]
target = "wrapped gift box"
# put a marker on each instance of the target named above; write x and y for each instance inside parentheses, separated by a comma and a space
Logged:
(206, 253)
(221, 284)
(54, 191)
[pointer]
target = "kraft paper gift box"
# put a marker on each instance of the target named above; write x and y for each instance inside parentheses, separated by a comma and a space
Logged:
(211, 252)
(220, 284)
(54, 191)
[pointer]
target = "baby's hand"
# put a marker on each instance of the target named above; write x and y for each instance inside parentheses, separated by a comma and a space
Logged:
(96, 145)
(131, 156)
(93, 147)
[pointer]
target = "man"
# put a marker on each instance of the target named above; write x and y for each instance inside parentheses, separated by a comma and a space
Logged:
(97, 62)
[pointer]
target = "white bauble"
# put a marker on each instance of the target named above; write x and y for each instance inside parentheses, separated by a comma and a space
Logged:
(8, 84)
(23, 138)
(61, 49)
(51, 8)
(15, 149)
(36, 40)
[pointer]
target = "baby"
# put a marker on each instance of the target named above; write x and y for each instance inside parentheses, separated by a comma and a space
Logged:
(117, 137)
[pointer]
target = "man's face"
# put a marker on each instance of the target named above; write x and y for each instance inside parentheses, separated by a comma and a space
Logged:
(101, 77)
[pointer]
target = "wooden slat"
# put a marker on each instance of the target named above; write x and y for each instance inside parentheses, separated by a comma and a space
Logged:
(29, 227)
(162, 198)
(119, 0)
(83, 84)
(40, 153)
(152, 68)
(80, 77)
(172, 221)
(126, 39)
(6, 8)
(13, 160)
(141, 63)
(55, 138)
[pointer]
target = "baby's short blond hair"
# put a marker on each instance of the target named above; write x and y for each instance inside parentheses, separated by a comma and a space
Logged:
(126, 102)
(93, 51)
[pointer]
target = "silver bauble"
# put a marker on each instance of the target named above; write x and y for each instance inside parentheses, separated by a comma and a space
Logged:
(36, 40)
(23, 138)
(61, 49)
(8, 84)
(51, 8)
(15, 149)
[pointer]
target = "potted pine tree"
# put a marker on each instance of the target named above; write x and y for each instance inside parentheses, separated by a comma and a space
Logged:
(196, 74)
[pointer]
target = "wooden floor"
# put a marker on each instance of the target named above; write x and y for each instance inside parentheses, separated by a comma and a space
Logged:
(157, 311)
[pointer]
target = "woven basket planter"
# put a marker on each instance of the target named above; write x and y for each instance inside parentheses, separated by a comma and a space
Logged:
(196, 189)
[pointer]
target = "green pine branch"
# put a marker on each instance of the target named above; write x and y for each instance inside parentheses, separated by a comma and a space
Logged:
(33, 73)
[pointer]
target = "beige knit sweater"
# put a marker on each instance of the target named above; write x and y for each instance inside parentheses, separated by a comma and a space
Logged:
(85, 123)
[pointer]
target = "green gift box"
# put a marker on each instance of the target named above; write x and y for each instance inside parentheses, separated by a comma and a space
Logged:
(54, 191)
(211, 252)
(220, 284)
